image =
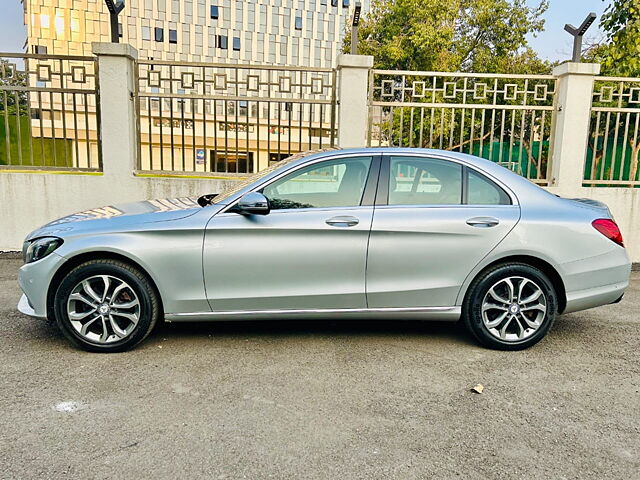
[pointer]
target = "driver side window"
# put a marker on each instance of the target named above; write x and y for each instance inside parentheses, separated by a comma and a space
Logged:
(333, 183)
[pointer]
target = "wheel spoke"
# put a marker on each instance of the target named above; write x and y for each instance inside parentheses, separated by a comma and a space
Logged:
(511, 289)
(538, 306)
(495, 323)
(130, 316)
(116, 329)
(105, 332)
(107, 285)
(85, 327)
(81, 298)
(497, 297)
(75, 316)
(531, 298)
(86, 286)
(503, 330)
(493, 306)
(530, 324)
(521, 289)
(520, 333)
(127, 305)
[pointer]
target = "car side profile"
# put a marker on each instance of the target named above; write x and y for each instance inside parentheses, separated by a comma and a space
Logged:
(378, 233)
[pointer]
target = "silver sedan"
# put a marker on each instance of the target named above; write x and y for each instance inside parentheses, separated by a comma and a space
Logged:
(367, 233)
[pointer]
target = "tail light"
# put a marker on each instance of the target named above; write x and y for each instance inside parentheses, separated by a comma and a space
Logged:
(609, 229)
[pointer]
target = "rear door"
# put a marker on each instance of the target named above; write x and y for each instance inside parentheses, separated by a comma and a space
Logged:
(434, 221)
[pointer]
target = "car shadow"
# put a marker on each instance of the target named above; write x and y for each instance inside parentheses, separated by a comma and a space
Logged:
(449, 331)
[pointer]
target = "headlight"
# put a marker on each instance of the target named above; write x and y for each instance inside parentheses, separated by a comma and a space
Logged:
(40, 248)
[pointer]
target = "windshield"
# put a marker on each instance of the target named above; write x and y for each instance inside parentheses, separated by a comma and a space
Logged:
(236, 187)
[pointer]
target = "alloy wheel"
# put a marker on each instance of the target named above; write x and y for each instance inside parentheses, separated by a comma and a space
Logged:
(103, 309)
(514, 308)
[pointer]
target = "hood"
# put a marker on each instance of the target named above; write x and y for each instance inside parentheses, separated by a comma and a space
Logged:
(121, 216)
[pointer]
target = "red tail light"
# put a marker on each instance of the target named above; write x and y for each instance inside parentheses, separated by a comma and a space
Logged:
(609, 229)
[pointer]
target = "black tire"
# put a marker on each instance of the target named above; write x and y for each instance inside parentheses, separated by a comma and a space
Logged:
(148, 309)
(472, 307)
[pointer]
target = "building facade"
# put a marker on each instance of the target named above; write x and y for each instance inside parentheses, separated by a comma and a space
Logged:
(274, 32)
(197, 112)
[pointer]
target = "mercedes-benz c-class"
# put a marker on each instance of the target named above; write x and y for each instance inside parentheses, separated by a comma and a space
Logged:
(369, 233)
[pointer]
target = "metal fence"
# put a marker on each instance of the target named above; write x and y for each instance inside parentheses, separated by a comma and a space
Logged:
(614, 133)
(231, 119)
(49, 112)
(505, 118)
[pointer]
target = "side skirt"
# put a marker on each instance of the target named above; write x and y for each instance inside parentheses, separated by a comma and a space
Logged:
(447, 314)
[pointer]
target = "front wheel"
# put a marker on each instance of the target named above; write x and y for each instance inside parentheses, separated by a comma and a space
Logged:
(106, 306)
(510, 307)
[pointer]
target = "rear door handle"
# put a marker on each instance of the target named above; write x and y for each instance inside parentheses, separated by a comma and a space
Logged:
(483, 222)
(342, 221)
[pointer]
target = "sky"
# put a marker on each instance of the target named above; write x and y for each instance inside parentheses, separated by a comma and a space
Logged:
(552, 44)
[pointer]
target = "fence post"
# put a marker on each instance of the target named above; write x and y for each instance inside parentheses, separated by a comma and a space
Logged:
(353, 74)
(573, 114)
(118, 123)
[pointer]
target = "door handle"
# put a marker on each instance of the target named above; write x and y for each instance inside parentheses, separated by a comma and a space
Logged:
(342, 221)
(483, 222)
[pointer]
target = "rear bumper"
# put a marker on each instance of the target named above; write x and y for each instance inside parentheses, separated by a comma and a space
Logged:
(596, 281)
(595, 297)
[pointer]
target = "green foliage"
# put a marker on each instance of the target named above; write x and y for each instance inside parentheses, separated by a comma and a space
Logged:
(46, 152)
(10, 100)
(619, 54)
(453, 35)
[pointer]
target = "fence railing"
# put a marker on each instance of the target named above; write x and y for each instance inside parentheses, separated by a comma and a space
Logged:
(614, 133)
(49, 112)
(230, 119)
(505, 118)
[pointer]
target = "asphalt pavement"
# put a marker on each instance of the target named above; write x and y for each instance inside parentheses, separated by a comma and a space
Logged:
(322, 400)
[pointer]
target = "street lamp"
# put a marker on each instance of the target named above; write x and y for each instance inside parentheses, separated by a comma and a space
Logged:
(578, 33)
(115, 7)
(354, 28)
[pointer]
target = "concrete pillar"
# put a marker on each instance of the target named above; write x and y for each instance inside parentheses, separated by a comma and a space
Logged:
(573, 110)
(353, 84)
(118, 130)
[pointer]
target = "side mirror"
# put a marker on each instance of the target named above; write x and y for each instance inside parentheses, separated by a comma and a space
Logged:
(254, 203)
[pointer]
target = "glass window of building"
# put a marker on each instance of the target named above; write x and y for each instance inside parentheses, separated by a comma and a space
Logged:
(298, 22)
(236, 44)
(173, 36)
(215, 12)
(159, 34)
(222, 42)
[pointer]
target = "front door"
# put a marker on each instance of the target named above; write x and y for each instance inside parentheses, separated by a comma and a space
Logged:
(434, 221)
(309, 252)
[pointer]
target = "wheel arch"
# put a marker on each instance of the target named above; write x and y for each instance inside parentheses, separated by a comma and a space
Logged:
(76, 260)
(547, 268)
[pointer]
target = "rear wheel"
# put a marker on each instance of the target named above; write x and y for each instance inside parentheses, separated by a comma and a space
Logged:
(510, 306)
(106, 306)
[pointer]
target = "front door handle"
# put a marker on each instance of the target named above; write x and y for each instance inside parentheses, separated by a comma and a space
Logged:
(342, 221)
(483, 222)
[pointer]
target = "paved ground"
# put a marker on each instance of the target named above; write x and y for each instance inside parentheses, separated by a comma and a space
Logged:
(322, 400)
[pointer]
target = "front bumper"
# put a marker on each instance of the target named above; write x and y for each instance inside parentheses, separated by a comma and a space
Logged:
(34, 279)
(25, 308)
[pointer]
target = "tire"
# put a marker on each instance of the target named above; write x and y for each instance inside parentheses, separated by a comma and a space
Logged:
(131, 312)
(529, 307)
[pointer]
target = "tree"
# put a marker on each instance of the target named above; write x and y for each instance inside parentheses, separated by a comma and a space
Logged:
(454, 35)
(619, 53)
(10, 76)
